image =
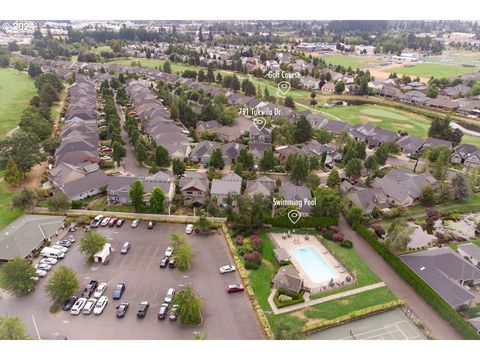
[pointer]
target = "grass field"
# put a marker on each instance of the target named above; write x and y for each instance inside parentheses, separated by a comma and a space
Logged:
(389, 119)
(354, 62)
(7, 215)
(16, 89)
(457, 59)
(435, 70)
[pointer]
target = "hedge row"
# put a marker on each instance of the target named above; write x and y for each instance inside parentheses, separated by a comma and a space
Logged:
(296, 298)
(246, 281)
(303, 222)
(464, 329)
(354, 315)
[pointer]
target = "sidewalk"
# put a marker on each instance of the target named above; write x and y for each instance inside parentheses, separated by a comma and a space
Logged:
(308, 303)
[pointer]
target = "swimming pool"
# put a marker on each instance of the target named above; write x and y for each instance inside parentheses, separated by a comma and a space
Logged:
(314, 264)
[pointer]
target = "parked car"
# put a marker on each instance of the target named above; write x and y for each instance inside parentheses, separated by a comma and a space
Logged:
(122, 309)
(49, 261)
(64, 243)
(35, 278)
(72, 229)
(89, 306)
(142, 309)
(100, 290)
(162, 313)
(173, 313)
(234, 288)
(150, 225)
(60, 247)
(189, 229)
(45, 267)
(227, 269)
(170, 295)
(100, 306)
(164, 262)
(135, 223)
(172, 262)
(90, 288)
(119, 289)
(78, 306)
(120, 222)
(71, 238)
(169, 251)
(40, 273)
(112, 222)
(96, 221)
(67, 305)
(105, 221)
(125, 248)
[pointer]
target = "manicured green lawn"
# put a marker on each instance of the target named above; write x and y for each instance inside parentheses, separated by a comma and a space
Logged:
(7, 215)
(354, 62)
(435, 70)
(101, 205)
(472, 59)
(454, 246)
(16, 89)
(389, 119)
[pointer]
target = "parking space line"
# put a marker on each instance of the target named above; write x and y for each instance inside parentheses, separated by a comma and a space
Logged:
(36, 327)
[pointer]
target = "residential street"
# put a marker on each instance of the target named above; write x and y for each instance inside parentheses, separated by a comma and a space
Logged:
(439, 327)
(130, 165)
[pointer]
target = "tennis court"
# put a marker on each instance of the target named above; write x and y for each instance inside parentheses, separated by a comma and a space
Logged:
(391, 325)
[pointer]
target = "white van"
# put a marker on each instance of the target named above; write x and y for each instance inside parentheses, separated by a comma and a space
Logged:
(52, 253)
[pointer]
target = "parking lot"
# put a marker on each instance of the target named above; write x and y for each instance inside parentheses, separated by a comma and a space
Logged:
(224, 316)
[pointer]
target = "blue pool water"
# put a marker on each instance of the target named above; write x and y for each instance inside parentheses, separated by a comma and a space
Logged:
(314, 264)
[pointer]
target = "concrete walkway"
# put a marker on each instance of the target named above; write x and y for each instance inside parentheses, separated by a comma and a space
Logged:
(308, 303)
(439, 327)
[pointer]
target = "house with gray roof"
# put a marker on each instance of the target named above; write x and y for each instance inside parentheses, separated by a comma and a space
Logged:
(202, 152)
(462, 152)
(288, 278)
(446, 272)
(262, 185)
(262, 135)
(471, 252)
(229, 184)
(368, 199)
(473, 160)
(298, 194)
(436, 142)
(89, 185)
(335, 126)
(194, 188)
(410, 144)
(28, 233)
(230, 152)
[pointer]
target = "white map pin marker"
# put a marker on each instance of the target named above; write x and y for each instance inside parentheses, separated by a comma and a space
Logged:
(284, 87)
(294, 216)
(259, 123)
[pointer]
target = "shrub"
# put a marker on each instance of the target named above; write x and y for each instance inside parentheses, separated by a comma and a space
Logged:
(77, 204)
(333, 228)
(282, 294)
(346, 244)
(378, 229)
(239, 240)
(257, 243)
(337, 237)
(284, 263)
(328, 234)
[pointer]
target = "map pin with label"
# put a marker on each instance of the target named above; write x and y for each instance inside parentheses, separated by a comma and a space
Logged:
(294, 216)
(259, 123)
(284, 87)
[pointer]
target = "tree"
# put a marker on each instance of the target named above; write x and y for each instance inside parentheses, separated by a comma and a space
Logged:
(167, 67)
(12, 328)
(398, 236)
(210, 77)
(339, 87)
(355, 216)
(34, 70)
(140, 151)
(353, 169)
(460, 186)
(267, 162)
(286, 331)
(216, 160)
(49, 78)
(300, 169)
(288, 102)
(189, 306)
(13, 174)
(313, 181)
(183, 256)
(303, 130)
(427, 196)
(25, 199)
(91, 243)
(23, 148)
(333, 180)
(48, 95)
(371, 163)
(327, 203)
(162, 158)
(59, 202)
(157, 201)
(62, 284)
(178, 167)
(432, 91)
(17, 276)
(136, 194)
(118, 152)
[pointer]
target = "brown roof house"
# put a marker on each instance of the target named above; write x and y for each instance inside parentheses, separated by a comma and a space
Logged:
(194, 188)
(288, 278)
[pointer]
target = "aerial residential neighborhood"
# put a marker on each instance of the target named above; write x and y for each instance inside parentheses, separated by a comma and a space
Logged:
(240, 180)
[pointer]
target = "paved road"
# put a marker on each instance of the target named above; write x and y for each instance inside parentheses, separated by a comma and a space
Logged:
(439, 327)
(130, 165)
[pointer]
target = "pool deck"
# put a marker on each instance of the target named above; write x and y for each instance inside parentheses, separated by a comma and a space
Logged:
(308, 303)
(298, 241)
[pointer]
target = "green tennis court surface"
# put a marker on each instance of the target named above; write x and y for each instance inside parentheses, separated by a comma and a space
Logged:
(391, 325)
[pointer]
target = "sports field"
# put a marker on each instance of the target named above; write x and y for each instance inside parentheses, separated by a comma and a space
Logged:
(391, 325)
(388, 119)
(354, 62)
(16, 89)
(435, 70)
(457, 59)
